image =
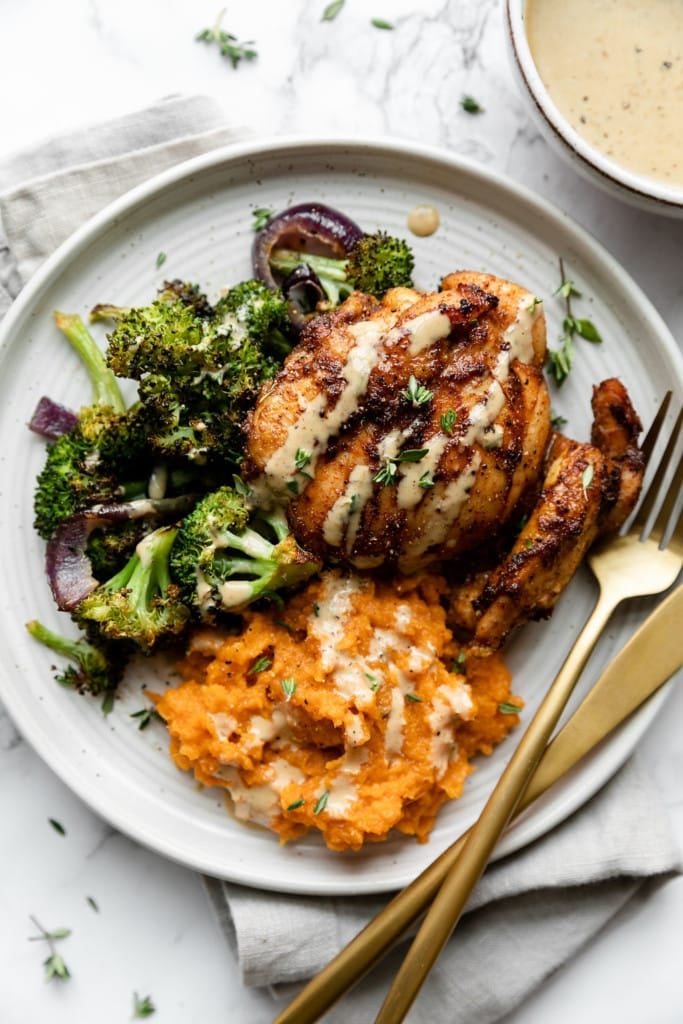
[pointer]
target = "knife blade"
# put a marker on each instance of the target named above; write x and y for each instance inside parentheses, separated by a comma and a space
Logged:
(644, 663)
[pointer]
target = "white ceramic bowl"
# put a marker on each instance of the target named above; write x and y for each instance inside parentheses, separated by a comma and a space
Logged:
(637, 189)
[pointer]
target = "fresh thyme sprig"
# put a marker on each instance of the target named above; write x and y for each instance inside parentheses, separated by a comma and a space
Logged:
(288, 688)
(227, 43)
(417, 393)
(143, 1006)
(301, 460)
(54, 965)
(261, 216)
(145, 716)
(448, 420)
(560, 360)
(387, 473)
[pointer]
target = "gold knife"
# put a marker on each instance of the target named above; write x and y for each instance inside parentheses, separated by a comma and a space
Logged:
(642, 666)
(644, 663)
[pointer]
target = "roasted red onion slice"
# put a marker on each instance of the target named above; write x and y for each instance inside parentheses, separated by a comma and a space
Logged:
(68, 567)
(303, 291)
(308, 227)
(51, 420)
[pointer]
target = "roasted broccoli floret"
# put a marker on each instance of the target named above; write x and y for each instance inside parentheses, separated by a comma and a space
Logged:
(172, 291)
(376, 263)
(223, 560)
(104, 456)
(97, 666)
(198, 375)
(140, 603)
(252, 309)
(109, 548)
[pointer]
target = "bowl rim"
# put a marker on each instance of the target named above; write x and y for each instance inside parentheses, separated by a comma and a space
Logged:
(595, 162)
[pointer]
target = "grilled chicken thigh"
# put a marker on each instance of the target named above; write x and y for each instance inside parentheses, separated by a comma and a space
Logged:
(588, 490)
(407, 430)
(417, 429)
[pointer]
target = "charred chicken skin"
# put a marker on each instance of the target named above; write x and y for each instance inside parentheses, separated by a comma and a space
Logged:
(417, 429)
(588, 490)
(410, 429)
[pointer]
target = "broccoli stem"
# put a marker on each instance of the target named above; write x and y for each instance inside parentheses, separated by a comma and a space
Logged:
(249, 543)
(330, 272)
(76, 650)
(146, 573)
(106, 390)
(250, 566)
(286, 260)
(277, 522)
(97, 670)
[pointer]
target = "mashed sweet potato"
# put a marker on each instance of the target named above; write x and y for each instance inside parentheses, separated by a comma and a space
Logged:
(351, 711)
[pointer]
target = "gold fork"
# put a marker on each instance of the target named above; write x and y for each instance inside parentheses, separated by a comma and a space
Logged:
(641, 561)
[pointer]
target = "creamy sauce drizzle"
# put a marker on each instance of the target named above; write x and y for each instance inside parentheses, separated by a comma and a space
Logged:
(450, 704)
(344, 516)
(347, 672)
(426, 329)
(444, 502)
(317, 424)
(423, 220)
(615, 70)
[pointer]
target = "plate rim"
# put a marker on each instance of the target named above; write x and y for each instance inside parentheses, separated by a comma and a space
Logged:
(126, 204)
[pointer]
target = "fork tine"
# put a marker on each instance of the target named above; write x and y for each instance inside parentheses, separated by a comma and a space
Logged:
(669, 503)
(650, 439)
(649, 501)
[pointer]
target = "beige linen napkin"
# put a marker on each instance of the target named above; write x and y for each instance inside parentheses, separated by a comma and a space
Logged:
(532, 911)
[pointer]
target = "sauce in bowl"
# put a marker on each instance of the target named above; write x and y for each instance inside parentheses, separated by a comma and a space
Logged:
(614, 69)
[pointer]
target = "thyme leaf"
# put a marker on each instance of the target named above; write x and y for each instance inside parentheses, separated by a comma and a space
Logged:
(458, 666)
(261, 664)
(321, 802)
(587, 477)
(411, 455)
(448, 420)
(54, 965)
(470, 105)
(332, 10)
(143, 1006)
(288, 687)
(386, 475)
(261, 216)
(417, 393)
(146, 715)
(507, 708)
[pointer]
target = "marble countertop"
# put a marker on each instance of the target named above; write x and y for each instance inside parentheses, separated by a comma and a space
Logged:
(141, 924)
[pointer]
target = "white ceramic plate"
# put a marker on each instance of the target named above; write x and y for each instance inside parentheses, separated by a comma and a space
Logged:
(200, 215)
